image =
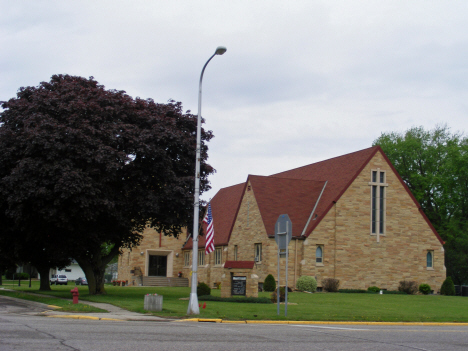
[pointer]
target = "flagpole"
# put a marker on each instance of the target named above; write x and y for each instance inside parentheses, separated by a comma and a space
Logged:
(193, 307)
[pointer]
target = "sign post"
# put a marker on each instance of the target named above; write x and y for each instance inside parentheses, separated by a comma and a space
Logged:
(283, 235)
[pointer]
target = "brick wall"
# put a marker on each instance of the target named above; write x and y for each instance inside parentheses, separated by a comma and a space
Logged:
(153, 243)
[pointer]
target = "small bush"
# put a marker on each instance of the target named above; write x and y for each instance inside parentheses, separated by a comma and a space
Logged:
(353, 291)
(375, 289)
(425, 289)
(447, 288)
(274, 295)
(330, 284)
(408, 286)
(306, 283)
(269, 284)
(203, 289)
(16, 276)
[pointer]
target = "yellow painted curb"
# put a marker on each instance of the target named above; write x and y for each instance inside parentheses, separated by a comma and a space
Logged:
(72, 316)
(54, 307)
(234, 322)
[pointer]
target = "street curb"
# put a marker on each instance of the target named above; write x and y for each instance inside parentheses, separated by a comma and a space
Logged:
(326, 323)
(72, 316)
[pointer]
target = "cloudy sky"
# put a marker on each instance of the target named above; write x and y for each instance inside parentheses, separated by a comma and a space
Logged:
(301, 81)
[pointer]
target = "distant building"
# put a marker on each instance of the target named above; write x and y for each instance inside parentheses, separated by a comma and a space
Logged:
(72, 271)
(367, 229)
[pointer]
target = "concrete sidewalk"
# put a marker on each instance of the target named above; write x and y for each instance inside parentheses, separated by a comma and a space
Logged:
(114, 313)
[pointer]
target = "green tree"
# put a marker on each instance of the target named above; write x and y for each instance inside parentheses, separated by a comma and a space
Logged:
(269, 284)
(434, 165)
(83, 170)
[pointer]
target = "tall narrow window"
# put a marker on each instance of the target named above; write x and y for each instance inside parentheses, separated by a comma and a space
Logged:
(235, 252)
(430, 259)
(378, 202)
(218, 257)
(186, 258)
(319, 254)
(201, 257)
(258, 252)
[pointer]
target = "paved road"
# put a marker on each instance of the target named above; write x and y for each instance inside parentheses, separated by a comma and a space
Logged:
(21, 328)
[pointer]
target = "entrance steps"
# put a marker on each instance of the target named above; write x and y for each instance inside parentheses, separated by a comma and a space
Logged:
(165, 281)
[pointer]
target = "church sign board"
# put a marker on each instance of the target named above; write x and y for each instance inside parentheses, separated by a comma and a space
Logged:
(238, 285)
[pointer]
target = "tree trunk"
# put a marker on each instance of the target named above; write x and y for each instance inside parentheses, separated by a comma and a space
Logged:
(94, 267)
(1, 273)
(45, 283)
(95, 276)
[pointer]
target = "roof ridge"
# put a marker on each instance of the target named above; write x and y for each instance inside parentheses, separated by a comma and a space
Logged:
(327, 160)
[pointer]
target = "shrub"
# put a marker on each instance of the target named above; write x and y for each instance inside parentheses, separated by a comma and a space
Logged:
(424, 289)
(203, 289)
(353, 291)
(269, 284)
(408, 286)
(375, 289)
(330, 284)
(13, 275)
(274, 295)
(306, 283)
(447, 288)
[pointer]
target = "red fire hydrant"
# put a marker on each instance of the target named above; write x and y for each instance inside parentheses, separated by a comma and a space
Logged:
(75, 294)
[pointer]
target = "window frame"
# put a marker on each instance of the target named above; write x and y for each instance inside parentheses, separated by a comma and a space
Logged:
(378, 202)
(430, 252)
(235, 252)
(201, 257)
(186, 258)
(317, 261)
(258, 252)
(218, 259)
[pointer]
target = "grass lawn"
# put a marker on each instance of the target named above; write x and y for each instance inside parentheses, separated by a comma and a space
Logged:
(304, 306)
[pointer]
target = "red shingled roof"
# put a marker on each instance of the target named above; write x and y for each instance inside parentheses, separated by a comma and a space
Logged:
(276, 196)
(294, 192)
(239, 264)
(224, 208)
(339, 171)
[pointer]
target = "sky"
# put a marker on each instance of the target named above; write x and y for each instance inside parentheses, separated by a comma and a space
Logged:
(301, 81)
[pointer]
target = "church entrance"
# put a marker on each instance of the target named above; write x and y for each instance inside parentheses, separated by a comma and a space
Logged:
(157, 266)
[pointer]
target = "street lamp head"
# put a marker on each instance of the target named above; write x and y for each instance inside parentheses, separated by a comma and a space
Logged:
(220, 50)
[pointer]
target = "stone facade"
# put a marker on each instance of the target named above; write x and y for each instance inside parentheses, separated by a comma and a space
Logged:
(350, 252)
(132, 262)
(357, 258)
(251, 281)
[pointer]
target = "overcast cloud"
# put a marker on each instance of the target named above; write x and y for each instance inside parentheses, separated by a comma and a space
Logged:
(301, 81)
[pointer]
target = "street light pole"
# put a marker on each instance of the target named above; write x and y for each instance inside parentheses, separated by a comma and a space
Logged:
(193, 302)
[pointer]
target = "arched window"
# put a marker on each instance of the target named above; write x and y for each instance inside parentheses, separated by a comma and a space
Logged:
(429, 259)
(319, 254)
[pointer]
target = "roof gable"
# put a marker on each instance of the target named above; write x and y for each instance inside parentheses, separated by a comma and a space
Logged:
(276, 196)
(224, 208)
(295, 192)
(339, 172)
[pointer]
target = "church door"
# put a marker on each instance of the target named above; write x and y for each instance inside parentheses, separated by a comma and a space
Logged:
(157, 266)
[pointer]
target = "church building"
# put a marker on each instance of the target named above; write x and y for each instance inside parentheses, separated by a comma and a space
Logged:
(353, 219)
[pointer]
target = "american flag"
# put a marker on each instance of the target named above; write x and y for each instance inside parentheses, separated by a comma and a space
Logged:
(209, 242)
